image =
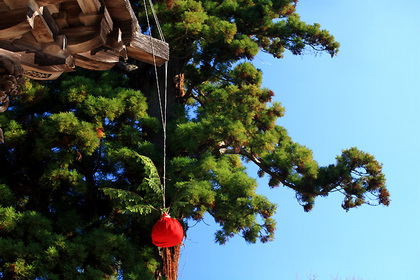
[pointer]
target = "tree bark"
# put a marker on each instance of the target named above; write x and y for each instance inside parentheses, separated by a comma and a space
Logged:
(170, 262)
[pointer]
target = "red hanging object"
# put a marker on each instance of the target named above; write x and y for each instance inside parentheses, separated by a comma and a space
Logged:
(167, 232)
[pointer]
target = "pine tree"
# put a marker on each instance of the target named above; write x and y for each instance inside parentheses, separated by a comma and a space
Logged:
(82, 165)
(68, 144)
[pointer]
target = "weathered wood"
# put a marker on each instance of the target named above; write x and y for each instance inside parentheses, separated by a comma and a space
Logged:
(52, 2)
(16, 4)
(58, 48)
(10, 18)
(15, 32)
(52, 36)
(102, 60)
(73, 11)
(54, 8)
(46, 13)
(89, 6)
(40, 28)
(83, 39)
(61, 20)
(124, 18)
(115, 43)
(95, 18)
(148, 49)
(120, 10)
(13, 56)
(33, 55)
(36, 74)
(3, 7)
(91, 19)
(30, 61)
(44, 28)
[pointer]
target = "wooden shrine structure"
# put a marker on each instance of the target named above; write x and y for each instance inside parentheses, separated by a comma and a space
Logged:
(49, 37)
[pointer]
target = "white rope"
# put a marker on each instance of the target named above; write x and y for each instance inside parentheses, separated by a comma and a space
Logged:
(162, 37)
(162, 111)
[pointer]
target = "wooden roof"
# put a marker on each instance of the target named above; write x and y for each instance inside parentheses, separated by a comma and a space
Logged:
(53, 36)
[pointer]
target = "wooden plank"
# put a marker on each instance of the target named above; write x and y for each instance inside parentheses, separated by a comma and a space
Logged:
(12, 17)
(58, 48)
(3, 7)
(26, 43)
(61, 20)
(72, 12)
(115, 43)
(32, 6)
(120, 10)
(89, 6)
(40, 28)
(16, 4)
(108, 19)
(43, 25)
(123, 17)
(50, 20)
(91, 19)
(53, 2)
(148, 49)
(15, 32)
(95, 18)
(86, 38)
(53, 8)
(102, 60)
(15, 57)
(37, 60)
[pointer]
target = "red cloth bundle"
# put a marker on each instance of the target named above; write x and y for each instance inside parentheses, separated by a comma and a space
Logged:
(167, 232)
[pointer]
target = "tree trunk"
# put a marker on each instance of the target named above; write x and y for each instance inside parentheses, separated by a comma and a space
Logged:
(170, 261)
(144, 79)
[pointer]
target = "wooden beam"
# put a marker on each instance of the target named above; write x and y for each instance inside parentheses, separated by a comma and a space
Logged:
(58, 48)
(148, 49)
(15, 57)
(72, 12)
(3, 7)
(16, 4)
(89, 6)
(40, 28)
(44, 28)
(15, 32)
(12, 17)
(120, 10)
(61, 20)
(52, 2)
(53, 8)
(95, 18)
(91, 19)
(45, 65)
(102, 60)
(115, 43)
(86, 38)
(46, 13)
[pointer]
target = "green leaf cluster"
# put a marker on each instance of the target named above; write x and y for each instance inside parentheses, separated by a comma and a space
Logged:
(69, 143)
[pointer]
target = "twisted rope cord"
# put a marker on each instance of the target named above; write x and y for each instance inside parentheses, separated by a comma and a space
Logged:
(162, 110)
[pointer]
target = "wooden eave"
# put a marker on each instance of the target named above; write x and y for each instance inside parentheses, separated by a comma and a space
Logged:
(52, 36)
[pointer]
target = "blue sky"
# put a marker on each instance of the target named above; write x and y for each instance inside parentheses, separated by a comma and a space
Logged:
(368, 97)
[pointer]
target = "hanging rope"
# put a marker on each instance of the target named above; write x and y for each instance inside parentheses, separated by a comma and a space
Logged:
(163, 108)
